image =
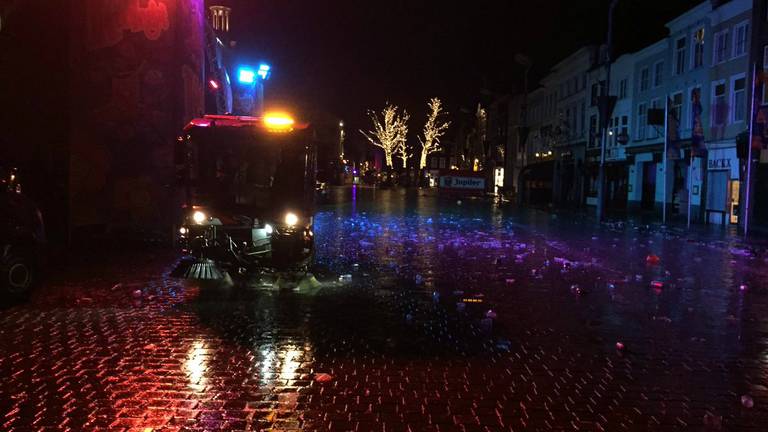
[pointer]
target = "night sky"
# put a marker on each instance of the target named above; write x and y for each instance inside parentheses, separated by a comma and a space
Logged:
(344, 57)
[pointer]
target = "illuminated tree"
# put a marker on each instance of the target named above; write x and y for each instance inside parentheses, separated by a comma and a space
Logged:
(433, 130)
(403, 152)
(389, 132)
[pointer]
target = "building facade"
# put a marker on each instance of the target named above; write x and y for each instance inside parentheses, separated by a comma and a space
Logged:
(688, 93)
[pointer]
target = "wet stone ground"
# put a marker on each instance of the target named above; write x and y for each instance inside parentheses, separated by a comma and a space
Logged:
(425, 314)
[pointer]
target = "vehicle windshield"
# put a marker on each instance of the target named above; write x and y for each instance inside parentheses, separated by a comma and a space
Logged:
(242, 167)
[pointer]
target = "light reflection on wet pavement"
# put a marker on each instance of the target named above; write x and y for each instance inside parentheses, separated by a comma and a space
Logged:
(429, 316)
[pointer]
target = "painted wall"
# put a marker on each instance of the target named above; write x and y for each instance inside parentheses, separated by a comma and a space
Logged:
(137, 79)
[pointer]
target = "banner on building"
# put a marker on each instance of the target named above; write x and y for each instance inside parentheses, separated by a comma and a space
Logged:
(672, 133)
(759, 138)
(698, 148)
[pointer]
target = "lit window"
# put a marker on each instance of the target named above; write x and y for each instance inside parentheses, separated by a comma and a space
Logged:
(698, 48)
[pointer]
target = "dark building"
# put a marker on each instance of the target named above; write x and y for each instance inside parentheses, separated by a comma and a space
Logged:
(95, 93)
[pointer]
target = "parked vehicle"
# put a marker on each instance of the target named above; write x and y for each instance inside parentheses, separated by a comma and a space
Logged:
(22, 238)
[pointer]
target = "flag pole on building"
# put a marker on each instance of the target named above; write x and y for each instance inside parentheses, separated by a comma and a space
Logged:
(664, 163)
(697, 143)
(749, 150)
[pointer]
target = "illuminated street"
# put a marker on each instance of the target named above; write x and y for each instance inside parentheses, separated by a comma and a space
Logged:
(587, 330)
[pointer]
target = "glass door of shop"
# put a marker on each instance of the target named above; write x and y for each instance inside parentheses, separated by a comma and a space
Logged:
(733, 189)
(717, 197)
(649, 186)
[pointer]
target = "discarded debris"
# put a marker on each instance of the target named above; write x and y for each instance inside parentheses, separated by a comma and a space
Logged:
(652, 259)
(747, 401)
(323, 377)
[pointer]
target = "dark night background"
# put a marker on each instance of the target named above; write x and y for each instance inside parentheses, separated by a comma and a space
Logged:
(346, 56)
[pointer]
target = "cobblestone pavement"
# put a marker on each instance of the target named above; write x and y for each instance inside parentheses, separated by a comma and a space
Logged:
(427, 315)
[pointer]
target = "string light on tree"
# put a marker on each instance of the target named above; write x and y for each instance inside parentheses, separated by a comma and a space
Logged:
(433, 130)
(389, 132)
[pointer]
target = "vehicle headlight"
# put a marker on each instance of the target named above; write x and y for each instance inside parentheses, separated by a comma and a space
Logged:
(291, 219)
(183, 230)
(268, 228)
(199, 217)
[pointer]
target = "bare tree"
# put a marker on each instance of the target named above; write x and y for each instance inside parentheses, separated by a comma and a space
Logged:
(433, 130)
(389, 132)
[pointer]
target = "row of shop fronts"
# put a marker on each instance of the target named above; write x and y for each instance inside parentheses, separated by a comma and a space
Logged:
(634, 181)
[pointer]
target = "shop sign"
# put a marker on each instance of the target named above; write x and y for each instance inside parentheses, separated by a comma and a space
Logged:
(717, 164)
(455, 182)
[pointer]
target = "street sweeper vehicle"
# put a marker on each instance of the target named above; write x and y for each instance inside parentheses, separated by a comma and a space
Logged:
(248, 185)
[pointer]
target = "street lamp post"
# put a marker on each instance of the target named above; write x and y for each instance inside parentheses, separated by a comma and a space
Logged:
(522, 134)
(606, 108)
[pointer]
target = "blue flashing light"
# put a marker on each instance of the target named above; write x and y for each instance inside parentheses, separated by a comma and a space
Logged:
(264, 71)
(246, 75)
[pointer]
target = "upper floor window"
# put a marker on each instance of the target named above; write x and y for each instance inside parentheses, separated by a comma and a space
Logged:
(658, 73)
(740, 39)
(719, 105)
(765, 66)
(676, 106)
(680, 56)
(738, 98)
(623, 88)
(721, 47)
(698, 48)
(625, 126)
(644, 79)
(642, 120)
(692, 106)
(594, 94)
(653, 131)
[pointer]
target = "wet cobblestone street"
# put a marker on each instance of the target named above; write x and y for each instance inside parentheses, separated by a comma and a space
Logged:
(426, 315)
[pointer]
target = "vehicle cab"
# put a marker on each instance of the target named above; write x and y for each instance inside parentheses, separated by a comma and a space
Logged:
(248, 185)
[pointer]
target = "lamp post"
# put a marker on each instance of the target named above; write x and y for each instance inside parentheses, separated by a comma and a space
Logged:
(522, 133)
(606, 111)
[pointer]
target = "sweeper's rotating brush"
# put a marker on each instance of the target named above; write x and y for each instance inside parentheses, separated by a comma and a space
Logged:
(203, 269)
